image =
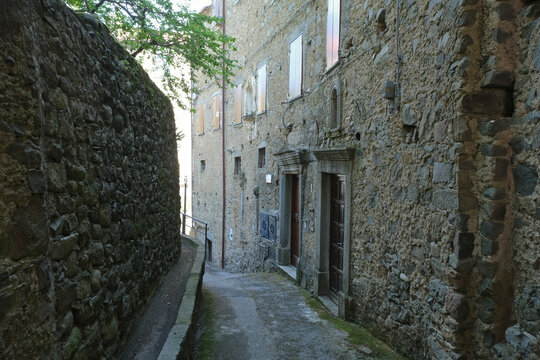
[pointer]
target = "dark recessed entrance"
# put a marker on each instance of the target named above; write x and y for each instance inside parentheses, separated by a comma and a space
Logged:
(295, 219)
(337, 220)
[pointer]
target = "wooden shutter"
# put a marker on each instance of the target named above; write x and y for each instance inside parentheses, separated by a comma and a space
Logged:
(200, 119)
(295, 68)
(238, 104)
(217, 111)
(333, 32)
(261, 89)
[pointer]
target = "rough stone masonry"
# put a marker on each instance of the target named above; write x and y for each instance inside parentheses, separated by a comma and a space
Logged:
(88, 185)
(442, 203)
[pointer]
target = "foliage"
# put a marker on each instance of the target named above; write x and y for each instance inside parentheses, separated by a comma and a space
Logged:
(172, 36)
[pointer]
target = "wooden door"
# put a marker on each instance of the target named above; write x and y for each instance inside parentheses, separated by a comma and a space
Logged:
(337, 219)
(295, 219)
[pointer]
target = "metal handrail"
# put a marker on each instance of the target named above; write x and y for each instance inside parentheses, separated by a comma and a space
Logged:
(197, 226)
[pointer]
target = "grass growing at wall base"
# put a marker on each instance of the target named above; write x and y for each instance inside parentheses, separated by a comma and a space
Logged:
(205, 346)
(358, 336)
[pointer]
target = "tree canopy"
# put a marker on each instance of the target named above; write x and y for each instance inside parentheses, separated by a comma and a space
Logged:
(171, 35)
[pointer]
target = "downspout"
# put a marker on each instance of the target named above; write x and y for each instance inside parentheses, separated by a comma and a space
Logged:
(223, 122)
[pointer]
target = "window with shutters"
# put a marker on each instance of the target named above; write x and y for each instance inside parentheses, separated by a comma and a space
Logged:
(262, 158)
(261, 89)
(237, 165)
(295, 68)
(333, 32)
(237, 104)
(217, 8)
(217, 111)
(200, 119)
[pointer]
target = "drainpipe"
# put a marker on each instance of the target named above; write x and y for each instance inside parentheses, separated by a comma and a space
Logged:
(223, 170)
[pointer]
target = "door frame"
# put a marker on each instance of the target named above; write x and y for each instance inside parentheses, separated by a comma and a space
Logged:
(290, 163)
(329, 162)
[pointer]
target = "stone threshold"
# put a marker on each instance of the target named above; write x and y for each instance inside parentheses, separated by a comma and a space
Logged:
(289, 270)
(329, 304)
(181, 336)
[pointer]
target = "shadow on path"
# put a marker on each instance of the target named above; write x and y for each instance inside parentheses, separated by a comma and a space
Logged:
(264, 316)
(146, 341)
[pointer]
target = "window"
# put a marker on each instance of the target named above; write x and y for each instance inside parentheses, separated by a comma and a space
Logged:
(217, 8)
(332, 32)
(334, 118)
(262, 158)
(334, 109)
(295, 68)
(237, 165)
(200, 119)
(203, 166)
(217, 111)
(237, 104)
(261, 89)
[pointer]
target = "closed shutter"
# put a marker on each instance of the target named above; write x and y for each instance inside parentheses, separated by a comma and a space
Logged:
(333, 32)
(217, 111)
(261, 89)
(200, 119)
(237, 104)
(295, 68)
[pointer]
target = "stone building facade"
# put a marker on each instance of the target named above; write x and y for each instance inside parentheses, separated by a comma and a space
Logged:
(89, 196)
(394, 147)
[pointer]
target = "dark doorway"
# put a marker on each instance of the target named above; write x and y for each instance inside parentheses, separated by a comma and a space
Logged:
(337, 220)
(295, 219)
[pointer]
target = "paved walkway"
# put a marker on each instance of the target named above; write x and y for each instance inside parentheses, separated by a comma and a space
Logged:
(146, 341)
(264, 316)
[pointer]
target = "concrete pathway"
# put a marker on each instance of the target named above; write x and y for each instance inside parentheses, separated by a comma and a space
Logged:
(147, 339)
(265, 316)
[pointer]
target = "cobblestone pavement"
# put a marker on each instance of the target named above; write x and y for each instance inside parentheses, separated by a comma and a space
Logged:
(264, 316)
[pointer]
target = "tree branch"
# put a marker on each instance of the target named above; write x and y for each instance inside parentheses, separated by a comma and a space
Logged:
(96, 6)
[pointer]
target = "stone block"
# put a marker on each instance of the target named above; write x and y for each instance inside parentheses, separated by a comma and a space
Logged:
(467, 201)
(488, 269)
(26, 153)
(505, 11)
(457, 305)
(502, 79)
(525, 179)
(495, 210)
(464, 245)
(489, 101)
(500, 36)
(488, 247)
(28, 231)
(445, 199)
(491, 230)
(493, 150)
(467, 18)
(59, 249)
(493, 127)
(522, 341)
(442, 172)
(36, 181)
(500, 171)
(56, 177)
(495, 193)
(408, 115)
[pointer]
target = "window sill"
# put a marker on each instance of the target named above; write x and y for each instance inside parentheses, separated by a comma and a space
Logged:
(237, 125)
(331, 68)
(262, 113)
(290, 100)
(216, 129)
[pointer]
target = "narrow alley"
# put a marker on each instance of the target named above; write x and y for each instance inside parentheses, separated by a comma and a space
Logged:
(265, 316)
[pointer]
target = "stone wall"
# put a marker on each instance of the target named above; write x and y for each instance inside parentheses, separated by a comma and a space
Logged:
(442, 236)
(88, 186)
